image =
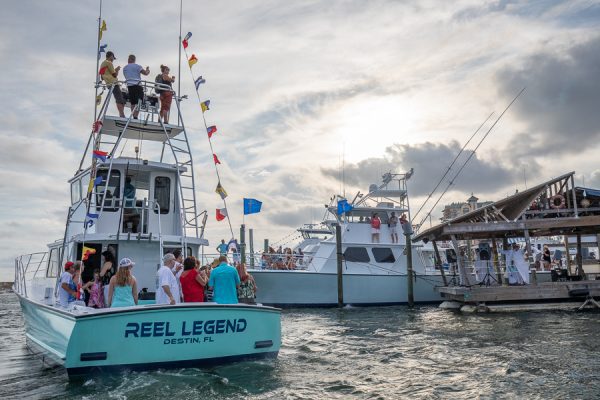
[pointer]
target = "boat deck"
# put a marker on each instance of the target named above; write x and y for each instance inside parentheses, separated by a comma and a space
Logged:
(139, 129)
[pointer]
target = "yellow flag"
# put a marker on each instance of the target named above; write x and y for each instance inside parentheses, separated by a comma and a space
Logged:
(86, 252)
(98, 99)
(90, 186)
(193, 60)
(102, 29)
(205, 105)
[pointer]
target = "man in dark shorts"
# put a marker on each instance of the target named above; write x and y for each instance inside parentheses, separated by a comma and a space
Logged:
(132, 73)
(109, 74)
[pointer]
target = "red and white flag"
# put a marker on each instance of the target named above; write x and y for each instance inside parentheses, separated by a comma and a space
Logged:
(221, 214)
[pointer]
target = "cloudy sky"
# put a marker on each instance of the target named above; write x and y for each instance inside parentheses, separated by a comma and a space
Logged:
(294, 85)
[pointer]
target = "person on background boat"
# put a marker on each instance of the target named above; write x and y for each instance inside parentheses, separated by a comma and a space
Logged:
(108, 270)
(192, 282)
(222, 248)
(133, 79)
(109, 74)
(166, 95)
(234, 247)
(375, 228)
(94, 288)
(393, 225)
(224, 280)
(67, 291)
(122, 290)
(247, 289)
(129, 193)
(167, 291)
(546, 258)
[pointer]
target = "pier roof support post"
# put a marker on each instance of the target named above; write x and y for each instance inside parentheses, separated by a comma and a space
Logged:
(409, 268)
(504, 247)
(243, 243)
(567, 254)
(340, 280)
(496, 261)
(530, 259)
(460, 259)
(438, 262)
(251, 240)
(579, 258)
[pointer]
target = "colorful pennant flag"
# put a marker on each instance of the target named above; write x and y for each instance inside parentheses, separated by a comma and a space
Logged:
(211, 130)
(221, 214)
(199, 81)
(216, 159)
(98, 99)
(221, 191)
(99, 155)
(96, 126)
(185, 40)
(102, 50)
(86, 252)
(94, 183)
(251, 206)
(102, 29)
(205, 105)
(193, 60)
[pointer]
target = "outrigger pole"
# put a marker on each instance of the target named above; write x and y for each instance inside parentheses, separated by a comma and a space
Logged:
(179, 61)
(449, 168)
(451, 182)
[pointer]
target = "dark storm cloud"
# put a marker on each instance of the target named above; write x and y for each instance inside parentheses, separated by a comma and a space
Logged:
(430, 161)
(562, 102)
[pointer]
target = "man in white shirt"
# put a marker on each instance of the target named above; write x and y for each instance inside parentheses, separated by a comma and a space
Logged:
(132, 73)
(167, 291)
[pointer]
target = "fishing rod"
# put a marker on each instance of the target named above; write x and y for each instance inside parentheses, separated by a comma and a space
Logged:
(451, 165)
(451, 182)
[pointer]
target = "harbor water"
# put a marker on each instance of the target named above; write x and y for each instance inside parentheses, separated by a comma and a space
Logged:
(362, 353)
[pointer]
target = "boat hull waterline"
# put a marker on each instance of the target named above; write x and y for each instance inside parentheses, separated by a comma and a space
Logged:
(151, 336)
(315, 289)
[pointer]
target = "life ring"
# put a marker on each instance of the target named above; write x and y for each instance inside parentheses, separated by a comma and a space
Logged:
(557, 201)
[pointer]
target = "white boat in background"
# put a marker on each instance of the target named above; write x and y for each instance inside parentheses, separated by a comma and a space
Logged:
(373, 273)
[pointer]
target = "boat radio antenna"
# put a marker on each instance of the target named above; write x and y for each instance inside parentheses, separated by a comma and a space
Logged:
(451, 165)
(451, 182)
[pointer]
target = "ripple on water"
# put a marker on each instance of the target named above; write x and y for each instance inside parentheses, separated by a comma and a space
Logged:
(363, 353)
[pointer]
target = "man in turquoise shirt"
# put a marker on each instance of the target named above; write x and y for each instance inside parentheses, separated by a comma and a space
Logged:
(224, 280)
(222, 248)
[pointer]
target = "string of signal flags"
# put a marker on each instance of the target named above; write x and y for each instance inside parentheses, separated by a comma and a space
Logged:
(251, 206)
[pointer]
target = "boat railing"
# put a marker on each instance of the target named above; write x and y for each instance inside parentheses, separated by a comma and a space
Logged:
(27, 267)
(149, 103)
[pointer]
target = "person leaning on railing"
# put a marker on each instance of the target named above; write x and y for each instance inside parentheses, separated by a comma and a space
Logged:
(166, 95)
(109, 74)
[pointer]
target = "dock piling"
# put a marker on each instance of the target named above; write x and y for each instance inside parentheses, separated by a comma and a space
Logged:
(251, 240)
(438, 262)
(340, 281)
(409, 270)
(243, 243)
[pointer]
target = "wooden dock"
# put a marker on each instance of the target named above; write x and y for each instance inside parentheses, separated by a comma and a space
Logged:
(549, 295)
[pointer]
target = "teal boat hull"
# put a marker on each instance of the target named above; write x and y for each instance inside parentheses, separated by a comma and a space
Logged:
(150, 336)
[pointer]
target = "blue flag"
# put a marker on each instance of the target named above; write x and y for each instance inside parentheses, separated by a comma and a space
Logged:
(251, 206)
(343, 207)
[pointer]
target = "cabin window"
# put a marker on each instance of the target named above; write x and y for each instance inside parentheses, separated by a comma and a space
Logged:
(75, 191)
(383, 255)
(52, 271)
(162, 193)
(356, 254)
(113, 192)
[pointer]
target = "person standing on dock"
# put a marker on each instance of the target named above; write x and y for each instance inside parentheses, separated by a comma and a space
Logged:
(109, 74)
(133, 78)
(224, 281)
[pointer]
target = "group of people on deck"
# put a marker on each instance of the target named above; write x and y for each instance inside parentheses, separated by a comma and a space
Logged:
(178, 280)
(133, 78)
(392, 224)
